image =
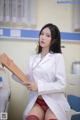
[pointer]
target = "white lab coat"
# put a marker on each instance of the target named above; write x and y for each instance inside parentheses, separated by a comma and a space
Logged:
(49, 74)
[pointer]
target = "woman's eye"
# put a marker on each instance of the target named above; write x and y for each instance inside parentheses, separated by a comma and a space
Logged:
(42, 33)
(48, 35)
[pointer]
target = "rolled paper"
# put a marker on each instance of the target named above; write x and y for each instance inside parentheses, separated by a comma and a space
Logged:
(11, 66)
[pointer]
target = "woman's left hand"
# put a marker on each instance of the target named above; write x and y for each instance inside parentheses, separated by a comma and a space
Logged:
(32, 86)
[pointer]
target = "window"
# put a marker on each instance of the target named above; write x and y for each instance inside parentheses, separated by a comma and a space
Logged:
(18, 11)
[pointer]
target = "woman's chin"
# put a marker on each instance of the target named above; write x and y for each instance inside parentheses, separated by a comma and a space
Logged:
(42, 45)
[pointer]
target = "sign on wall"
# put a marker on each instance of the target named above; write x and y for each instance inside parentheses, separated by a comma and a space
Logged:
(69, 1)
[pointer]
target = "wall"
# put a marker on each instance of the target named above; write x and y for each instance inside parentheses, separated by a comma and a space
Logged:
(20, 50)
(59, 14)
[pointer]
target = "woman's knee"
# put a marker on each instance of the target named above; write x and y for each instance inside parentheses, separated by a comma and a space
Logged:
(36, 113)
(52, 119)
(32, 117)
(50, 115)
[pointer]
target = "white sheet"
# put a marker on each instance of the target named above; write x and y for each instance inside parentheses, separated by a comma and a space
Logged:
(4, 90)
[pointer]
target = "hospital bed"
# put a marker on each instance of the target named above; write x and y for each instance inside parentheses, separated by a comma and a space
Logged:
(5, 91)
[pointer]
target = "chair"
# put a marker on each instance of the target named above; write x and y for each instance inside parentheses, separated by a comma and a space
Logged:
(74, 102)
(73, 96)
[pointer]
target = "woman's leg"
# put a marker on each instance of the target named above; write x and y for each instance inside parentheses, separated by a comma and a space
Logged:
(50, 115)
(36, 113)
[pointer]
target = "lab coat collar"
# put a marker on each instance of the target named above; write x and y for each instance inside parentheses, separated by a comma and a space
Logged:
(45, 58)
(39, 60)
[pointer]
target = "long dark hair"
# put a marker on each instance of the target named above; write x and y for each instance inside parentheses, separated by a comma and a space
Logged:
(55, 46)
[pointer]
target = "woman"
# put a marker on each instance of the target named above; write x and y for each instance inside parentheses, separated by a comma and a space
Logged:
(47, 80)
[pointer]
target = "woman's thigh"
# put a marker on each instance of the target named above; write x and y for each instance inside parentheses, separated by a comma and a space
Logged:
(50, 115)
(37, 111)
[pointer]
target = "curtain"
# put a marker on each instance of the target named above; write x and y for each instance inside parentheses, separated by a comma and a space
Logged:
(19, 11)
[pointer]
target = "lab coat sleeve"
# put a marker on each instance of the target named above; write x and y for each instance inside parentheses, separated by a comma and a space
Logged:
(57, 85)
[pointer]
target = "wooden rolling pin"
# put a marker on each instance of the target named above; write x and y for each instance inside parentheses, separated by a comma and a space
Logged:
(11, 66)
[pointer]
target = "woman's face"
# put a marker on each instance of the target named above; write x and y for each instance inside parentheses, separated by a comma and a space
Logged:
(45, 38)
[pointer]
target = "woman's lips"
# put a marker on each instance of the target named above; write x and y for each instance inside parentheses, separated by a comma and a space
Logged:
(42, 42)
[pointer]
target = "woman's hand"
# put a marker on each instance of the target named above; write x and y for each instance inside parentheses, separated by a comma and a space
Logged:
(32, 86)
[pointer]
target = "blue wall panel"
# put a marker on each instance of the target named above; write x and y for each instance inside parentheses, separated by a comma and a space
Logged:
(34, 34)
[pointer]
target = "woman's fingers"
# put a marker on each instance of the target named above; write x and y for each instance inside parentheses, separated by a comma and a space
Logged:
(31, 86)
(28, 84)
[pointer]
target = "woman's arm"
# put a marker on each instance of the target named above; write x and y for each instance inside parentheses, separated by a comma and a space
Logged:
(16, 78)
(10, 65)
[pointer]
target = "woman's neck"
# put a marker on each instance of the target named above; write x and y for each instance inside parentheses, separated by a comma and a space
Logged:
(44, 52)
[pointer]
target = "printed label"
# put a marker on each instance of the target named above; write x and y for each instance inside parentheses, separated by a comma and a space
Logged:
(3, 116)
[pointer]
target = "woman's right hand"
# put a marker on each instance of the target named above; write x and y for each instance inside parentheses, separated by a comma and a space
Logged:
(32, 86)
